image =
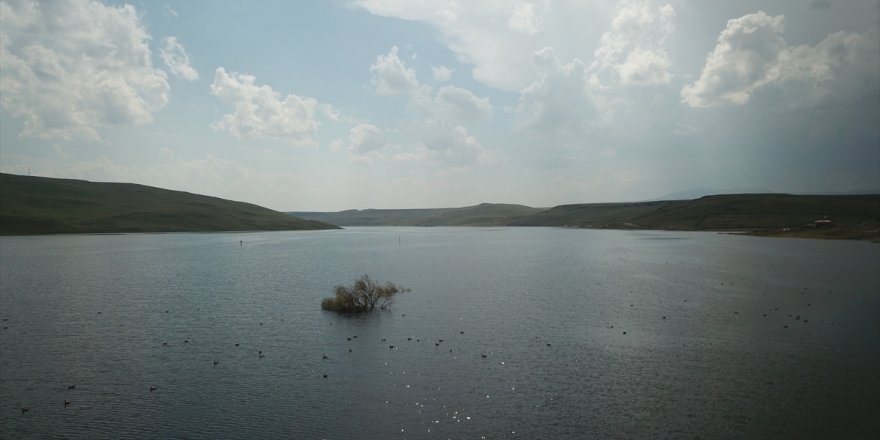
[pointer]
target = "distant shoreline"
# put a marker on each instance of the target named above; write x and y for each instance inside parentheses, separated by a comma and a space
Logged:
(850, 217)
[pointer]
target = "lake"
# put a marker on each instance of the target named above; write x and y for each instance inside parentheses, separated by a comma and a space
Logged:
(546, 333)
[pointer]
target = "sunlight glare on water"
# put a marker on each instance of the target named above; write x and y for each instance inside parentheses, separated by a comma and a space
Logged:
(507, 332)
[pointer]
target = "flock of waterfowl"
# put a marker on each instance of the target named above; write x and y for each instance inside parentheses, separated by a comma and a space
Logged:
(794, 316)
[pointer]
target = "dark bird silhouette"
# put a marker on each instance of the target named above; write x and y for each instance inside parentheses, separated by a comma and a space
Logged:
(152, 388)
(70, 387)
(24, 410)
(66, 402)
(482, 354)
(236, 345)
(216, 362)
(324, 356)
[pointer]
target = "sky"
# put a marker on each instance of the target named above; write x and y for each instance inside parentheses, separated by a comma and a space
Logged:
(351, 104)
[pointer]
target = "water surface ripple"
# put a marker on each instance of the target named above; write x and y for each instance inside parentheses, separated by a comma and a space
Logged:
(546, 333)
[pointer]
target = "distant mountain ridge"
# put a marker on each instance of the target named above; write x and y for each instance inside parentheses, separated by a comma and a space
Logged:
(42, 205)
(850, 216)
(484, 214)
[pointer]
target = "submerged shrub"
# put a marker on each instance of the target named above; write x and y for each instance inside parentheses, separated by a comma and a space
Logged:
(363, 296)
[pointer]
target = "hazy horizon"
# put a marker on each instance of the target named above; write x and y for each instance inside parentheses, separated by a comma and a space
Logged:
(335, 105)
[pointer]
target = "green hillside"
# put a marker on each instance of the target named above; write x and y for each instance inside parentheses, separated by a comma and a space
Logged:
(40, 205)
(855, 216)
(485, 214)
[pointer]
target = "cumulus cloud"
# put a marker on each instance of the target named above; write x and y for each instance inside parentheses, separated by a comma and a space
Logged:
(559, 102)
(441, 73)
(261, 112)
(71, 67)
(391, 76)
(461, 105)
(442, 122)
(365, 139)
(437, 132)
(752, 55)
(474, 32)
(525, 20)
(634, 48)
(450, 145)
(176, 59)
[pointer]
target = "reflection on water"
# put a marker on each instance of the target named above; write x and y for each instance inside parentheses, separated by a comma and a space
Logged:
(507, 333)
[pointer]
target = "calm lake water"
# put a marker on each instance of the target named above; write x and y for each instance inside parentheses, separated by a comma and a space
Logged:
(546, 333)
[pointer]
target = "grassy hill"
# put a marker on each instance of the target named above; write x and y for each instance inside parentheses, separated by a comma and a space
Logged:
(40, 205)
(485, 214)
(856, 216)
(851, 216)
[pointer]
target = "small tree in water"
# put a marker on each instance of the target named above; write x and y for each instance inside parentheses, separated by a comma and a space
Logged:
(363, 296)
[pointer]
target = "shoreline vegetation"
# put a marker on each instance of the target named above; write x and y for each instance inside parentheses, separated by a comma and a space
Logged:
(41, 205)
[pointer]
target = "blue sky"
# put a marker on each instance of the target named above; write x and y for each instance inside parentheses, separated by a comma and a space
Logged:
(330, 105)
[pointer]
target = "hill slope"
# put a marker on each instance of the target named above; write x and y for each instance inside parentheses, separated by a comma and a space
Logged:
(856, 216)
(485, 214)
(40, 205)
(851, 216)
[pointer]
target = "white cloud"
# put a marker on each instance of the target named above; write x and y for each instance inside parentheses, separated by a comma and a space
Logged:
(441, 125)
(441, 73)
(365, 139)
(71, 67)
(746, 57)
(175, 57)
(437, 131)
(260, 112)
(461, 105)
(524, 20)
(391, 76)
(451, 146)
(479, 33)
(634, 48)
(752, 55)
(559, 103)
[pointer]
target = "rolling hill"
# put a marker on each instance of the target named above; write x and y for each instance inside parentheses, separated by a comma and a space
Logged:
(40, 205)
(854, 216)
(484, 214)
(849, 216)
